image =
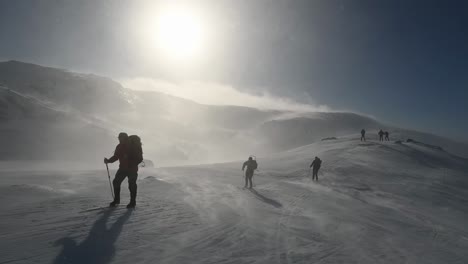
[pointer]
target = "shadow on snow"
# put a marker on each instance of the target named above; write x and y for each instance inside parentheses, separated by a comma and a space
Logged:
(265, 199)
(98, 247)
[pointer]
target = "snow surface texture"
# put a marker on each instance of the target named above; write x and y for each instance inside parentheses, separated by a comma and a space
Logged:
(374, 203)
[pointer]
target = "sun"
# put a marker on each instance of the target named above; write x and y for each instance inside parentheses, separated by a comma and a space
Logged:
(179, 33)
(172, 35)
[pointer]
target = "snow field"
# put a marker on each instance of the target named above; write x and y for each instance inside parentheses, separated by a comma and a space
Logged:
(374, 203)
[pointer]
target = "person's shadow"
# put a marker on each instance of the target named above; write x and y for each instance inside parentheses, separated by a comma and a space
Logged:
(98, 247)
(265, 199)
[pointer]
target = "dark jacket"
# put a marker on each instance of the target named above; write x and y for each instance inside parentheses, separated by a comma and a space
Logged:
(121, 154)
(316, 164)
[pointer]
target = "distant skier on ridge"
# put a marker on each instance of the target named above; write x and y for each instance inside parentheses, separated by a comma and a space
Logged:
(315, 168)
(363, 135)
(381, 134)
(251, 165)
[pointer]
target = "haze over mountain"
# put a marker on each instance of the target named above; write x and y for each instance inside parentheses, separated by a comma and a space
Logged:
(54, 114)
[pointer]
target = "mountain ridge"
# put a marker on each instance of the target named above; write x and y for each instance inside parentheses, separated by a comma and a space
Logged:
(174, 130)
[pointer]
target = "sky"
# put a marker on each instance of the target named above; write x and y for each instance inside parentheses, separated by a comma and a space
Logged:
(403, 62)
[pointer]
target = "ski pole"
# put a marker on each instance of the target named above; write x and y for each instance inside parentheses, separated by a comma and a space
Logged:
(110, 184)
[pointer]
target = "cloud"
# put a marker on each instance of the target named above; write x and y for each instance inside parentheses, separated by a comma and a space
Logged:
(220, 94)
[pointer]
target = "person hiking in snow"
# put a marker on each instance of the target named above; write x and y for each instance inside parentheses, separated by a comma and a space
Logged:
(315, 168)
(386, 136)
(129, 154)
(251, 165)
(363, 135)
(381, 133)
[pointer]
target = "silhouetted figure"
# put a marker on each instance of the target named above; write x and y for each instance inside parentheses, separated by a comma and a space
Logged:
(386, 136)
(363, 135)
(128, 158)
(381, 134)
(251, 165)
(315, 168)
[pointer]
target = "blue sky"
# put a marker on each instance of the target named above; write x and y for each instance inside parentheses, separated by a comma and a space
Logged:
(404, 62)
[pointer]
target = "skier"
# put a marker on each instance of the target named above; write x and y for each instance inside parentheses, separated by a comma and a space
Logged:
(363, 135)
(381, 133)
(315, 168)
(129, 155)
(251, 165)
(386, 136)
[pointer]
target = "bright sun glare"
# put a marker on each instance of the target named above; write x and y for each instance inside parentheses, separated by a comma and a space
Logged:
(179, 33)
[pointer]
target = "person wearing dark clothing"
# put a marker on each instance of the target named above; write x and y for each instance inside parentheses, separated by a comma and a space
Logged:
(251, 166)
(381, 134)
(315, 168)
(363, 135)
(127, 168)
(386, 136)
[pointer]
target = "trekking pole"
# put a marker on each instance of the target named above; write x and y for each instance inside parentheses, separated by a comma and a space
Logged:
(110, 184)
(242, 175)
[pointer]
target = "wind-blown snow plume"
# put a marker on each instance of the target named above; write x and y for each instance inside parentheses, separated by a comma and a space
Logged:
(221, 94)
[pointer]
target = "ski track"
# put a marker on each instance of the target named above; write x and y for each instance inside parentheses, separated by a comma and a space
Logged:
(202, 215)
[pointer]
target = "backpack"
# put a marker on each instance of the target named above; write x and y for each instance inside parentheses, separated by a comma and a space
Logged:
(254, 164)
(135, 152)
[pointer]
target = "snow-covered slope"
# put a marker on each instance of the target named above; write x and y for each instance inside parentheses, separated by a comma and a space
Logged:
(31, 129)
(292, 131)
(174, 130)
(48, 113)
(374, 203)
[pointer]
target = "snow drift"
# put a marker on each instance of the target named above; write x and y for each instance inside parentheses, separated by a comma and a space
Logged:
(374, 203)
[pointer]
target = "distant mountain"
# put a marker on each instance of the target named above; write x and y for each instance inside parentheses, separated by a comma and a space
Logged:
(49, 113)
(58, 104)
